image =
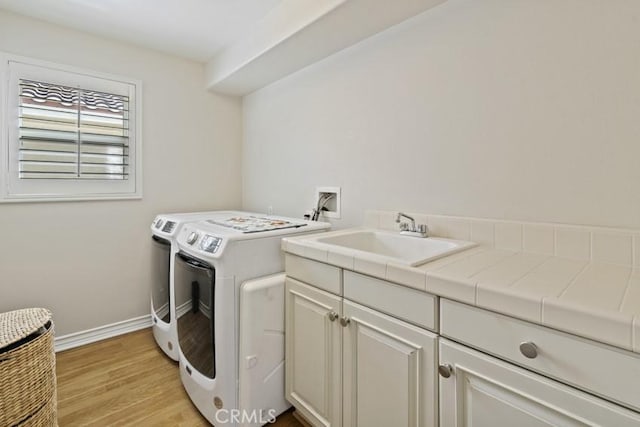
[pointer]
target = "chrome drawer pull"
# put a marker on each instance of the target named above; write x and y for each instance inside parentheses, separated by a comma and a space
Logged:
(445, 370)
(529, 350)
(332, 316)
(344, 321)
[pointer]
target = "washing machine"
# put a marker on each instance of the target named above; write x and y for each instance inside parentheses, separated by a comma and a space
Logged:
(231, 337)
(164, 229)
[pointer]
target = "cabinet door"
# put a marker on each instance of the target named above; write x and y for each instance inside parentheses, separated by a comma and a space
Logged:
(389, 371)
(483, 391)
(313, 349)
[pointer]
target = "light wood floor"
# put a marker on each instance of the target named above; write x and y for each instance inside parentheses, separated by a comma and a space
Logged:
(126, 381)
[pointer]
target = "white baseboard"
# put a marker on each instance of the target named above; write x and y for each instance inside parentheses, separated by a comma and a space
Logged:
(66, 342)
(205, 309)
(186, 307)
(163, 310)
(183, 308)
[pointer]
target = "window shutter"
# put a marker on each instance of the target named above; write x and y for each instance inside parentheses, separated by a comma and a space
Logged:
(72, 133)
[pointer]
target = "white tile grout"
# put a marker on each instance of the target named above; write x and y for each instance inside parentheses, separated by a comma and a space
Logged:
(531, 270)
(634, 345)
(573, 280)
(626, 290)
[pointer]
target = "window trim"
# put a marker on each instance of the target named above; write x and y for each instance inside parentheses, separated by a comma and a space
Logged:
(5, 143)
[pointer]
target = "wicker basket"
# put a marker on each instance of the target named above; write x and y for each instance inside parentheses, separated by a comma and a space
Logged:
(27, 369)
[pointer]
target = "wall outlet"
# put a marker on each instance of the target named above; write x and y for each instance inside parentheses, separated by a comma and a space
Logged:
(332, 203)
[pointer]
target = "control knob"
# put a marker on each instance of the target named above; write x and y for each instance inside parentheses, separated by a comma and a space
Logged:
(191, 239)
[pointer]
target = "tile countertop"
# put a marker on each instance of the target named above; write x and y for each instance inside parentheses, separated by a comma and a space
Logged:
(595, 300)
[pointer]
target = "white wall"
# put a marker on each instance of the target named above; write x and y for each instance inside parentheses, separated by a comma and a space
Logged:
(516, 109)
(89, 262)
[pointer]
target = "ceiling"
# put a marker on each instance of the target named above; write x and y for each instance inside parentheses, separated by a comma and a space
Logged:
(195, 29)
(245, 44)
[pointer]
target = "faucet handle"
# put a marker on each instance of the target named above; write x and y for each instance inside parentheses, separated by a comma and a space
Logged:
(416, 230)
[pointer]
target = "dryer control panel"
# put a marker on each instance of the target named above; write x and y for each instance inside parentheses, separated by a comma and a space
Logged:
(162, 225)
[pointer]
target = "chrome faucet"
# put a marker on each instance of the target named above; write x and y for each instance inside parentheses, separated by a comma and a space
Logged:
(400, 215)
(421, 230)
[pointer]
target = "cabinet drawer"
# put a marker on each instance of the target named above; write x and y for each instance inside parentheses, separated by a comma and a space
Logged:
(398, 301)
(594, 367)
(318, 274)
(485, 391)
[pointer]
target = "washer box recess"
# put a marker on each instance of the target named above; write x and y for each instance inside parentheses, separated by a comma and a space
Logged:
(333, 205)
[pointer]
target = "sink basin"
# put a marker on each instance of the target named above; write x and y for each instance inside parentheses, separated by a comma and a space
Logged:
(396, 247)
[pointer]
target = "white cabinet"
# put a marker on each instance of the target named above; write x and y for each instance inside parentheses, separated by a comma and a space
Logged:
(389, 371)
(313, 353)
(351, 366)
(482, 391)
(359, 353)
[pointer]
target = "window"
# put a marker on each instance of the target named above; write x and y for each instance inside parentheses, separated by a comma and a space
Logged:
(69, 134)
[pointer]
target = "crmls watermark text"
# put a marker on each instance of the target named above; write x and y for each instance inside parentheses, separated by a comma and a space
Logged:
(237, 416)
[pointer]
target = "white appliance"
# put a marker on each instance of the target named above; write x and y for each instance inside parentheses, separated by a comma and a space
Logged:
(164, 229)
(231, 340)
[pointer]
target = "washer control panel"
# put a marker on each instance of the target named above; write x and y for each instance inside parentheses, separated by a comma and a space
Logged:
(210, 243)
(201, 241)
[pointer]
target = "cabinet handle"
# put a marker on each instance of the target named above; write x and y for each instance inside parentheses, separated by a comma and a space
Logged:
(445, 370)
(344, 321)
(529, 350)
(332, 316)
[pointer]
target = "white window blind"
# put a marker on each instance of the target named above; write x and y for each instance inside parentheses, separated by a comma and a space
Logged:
(69, 133)
(72, 133)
